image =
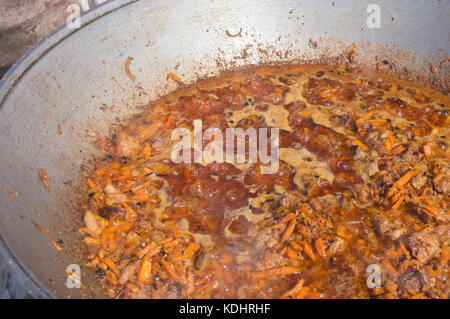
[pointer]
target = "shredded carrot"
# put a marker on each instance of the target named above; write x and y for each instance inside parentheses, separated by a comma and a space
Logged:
(291, 253)
(341, 232)
(294, 290)
(302, 292)
(189, 252)
(305, 207)
(289, 230)
(12, 192)
(286, 270)
(431, 209)
(398, 195)
(365, 118)
(445, 255)
(404, 179)
(129, 209)
(361, 144)
(146, 151)
(108, 262)
(389, 267)
(438, 177)
(174, 77)
(296, 246)
(376, 121)
(444, 153)
(320, 247)
(410, 291)
(398, 149)
(145, 270)
(169, 269)
(286, 219)
(399, 202)
(92, 184)
(308, 250)
(404, 250)
(127, 68)
(444, 61)
(147, 250)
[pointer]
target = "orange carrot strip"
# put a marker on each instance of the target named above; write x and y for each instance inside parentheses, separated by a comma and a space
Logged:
(431, 209)
(291, 253)
(189, 252)
(438, 177)
(127, 68)
(170, 271)
(174, 77)
(399, 202)
(444, 153)
(12, 192)
(289, 230)
(294, 290)
(361, 144)
(445, 255)
(444, 61)
(404, 179)
(108, 262)
(286, 270)
(92, 184)
(286, 218)
(145, 270)
(320, 247)
(302, 292)
(365, 118)
(308, 250)
(389, 267)
(296, 246)
(405, 251)
(398, 149)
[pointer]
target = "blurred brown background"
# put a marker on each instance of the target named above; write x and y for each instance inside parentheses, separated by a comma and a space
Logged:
(24, 22)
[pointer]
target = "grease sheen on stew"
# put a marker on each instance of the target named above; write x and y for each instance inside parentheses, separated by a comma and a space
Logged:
(364, 179)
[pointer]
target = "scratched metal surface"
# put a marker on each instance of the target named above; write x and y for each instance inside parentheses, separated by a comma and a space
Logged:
(62, 84)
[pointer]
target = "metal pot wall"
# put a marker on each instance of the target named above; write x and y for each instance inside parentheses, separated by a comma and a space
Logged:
(75, 82)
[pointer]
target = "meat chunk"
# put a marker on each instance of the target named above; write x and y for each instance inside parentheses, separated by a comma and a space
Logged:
(384, 227)
(443, 185)
(424, 246)
(418, 181)
(113, 196)
(441, 181)
(292, 199)
(336, 246)
(127, 272)
(430, 213)
(94, 222)
(369, 161)
(113, 199)
(413, 154)
(127, 145)
(361, 191)
(340, 117)
(203, 260)
(410, 280)
(324, 202)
